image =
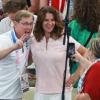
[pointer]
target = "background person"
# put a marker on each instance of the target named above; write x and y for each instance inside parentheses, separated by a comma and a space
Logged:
(13, 55)
(89, 87)
(11, 7)
(49, 55)
(85, 23)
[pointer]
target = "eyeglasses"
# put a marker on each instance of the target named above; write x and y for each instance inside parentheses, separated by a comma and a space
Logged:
(26, 23)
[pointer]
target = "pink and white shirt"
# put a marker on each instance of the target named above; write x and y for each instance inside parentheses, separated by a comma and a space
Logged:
(50, 64)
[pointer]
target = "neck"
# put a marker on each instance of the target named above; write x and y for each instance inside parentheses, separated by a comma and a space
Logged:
(47, 35)
(17, 35)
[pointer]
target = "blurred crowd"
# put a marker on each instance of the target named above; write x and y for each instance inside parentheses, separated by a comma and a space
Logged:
(32, 32)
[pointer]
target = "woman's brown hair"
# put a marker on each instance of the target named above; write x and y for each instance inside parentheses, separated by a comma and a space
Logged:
(87, 14)
(39, 32)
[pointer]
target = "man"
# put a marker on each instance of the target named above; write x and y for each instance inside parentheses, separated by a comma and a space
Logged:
(14, 49)
(11, 7)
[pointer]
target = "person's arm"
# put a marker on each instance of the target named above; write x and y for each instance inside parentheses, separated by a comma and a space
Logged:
(85, 63)
(82, 50)
(73, 78)
(5, 52)
(83, 96)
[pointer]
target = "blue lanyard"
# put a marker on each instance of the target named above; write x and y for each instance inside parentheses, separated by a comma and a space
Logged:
(13, 37)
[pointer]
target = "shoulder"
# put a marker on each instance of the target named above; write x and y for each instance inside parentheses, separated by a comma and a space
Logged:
(5, 25)
(91, 85)
(5, 40)
(33, 40)
(96, 67)
(71, 39)
(77, 44)
(75, 28)
(93, 73)
(73, 23)
(5, 37)
(5, 20)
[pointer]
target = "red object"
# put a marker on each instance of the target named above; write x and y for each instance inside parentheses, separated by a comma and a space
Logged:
(56, 3)
(62, 5)
(91, 84)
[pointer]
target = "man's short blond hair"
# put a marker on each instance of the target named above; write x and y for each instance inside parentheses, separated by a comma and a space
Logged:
(23, 14)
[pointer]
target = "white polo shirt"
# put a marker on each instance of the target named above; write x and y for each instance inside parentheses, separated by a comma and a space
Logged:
(5, 25)
(9, 71)
(50, 64)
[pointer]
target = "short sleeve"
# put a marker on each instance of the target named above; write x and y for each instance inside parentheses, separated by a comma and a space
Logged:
(92, 82)
(5, 41)
(77, 44)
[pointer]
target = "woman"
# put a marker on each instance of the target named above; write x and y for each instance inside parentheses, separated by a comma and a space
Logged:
(85, 23)
(89, 87)
(49, 55)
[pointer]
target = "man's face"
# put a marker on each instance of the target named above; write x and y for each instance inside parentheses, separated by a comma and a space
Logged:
(24, 26)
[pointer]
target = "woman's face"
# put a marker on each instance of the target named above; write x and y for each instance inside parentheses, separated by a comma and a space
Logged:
(48, 23)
